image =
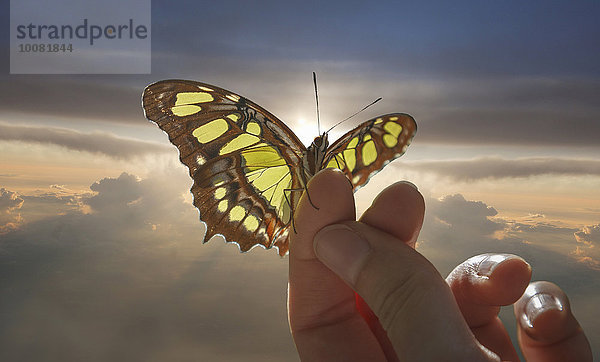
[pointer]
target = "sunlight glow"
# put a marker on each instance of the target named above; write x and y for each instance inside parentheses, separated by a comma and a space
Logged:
(305, 130)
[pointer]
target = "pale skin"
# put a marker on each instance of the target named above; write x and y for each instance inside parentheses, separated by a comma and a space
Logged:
(409, 312)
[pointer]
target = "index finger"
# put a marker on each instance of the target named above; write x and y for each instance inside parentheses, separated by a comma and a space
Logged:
(399, 211)
(322, 312)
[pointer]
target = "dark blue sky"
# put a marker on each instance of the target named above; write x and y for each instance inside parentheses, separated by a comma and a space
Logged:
(429, 38)
(435, 38)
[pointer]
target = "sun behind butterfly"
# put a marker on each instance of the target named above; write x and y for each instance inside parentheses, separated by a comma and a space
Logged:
(249, 169)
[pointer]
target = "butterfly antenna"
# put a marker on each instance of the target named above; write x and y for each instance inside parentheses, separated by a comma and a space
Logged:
(317, 98)
(345, 119)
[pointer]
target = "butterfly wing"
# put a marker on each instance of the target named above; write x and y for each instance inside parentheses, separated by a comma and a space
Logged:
(241, 158)
(365, 150)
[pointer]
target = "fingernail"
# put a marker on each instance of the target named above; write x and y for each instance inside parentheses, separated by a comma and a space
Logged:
(490, 262)
(409, 184)
(538, 304)
(342, 249)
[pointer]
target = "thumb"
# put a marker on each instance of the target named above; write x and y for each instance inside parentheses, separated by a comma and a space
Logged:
(410, 298)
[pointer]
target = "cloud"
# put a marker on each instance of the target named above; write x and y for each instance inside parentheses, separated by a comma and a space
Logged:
(456, 228)
(511, 110)
(589, 235)
(551, 235)
(81, 99)
(455, 214)
(94, 142)
(582, 255)
(586, 250)
(497, 168)
(521, 110)
(132, 281)
(54, 202)
(10, 218)
(114, 193)
(579, 244)
(469, 227)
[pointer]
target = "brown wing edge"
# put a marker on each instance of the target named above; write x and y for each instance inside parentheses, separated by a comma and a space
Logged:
(275, 231)
(409, 130)
(153, 114)
(159, 117)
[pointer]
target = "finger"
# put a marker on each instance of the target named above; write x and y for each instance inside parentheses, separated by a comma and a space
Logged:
(547, 329)
(398, 210)
(407, 294)
(322, 312)
(480, 286)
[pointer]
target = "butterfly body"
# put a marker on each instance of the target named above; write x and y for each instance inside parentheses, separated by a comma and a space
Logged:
(249, 169)
(313, 157)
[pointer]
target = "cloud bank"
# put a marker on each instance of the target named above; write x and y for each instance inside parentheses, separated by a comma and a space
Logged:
(72, 98)
(10, 203)
(497, 168)
(95, 142)
(589, 235)
(512, 110)
(130, 279)
(587, 251)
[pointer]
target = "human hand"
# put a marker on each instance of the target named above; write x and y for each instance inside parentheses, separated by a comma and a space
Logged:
(419, 316)
(547, 330)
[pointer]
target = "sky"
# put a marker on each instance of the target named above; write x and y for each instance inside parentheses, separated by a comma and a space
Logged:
(101, 253)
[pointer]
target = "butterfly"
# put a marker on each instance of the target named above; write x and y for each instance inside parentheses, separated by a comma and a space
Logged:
(249, 169)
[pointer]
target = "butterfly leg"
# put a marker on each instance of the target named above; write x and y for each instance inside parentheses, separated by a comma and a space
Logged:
(309, 200)
(292, 207)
